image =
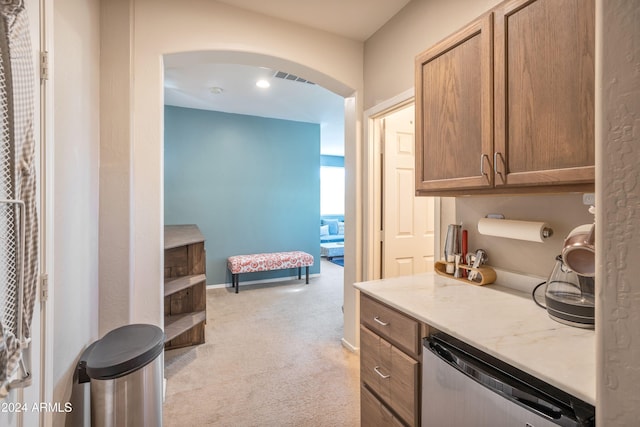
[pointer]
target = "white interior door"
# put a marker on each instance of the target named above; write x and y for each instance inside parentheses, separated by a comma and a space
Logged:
(407, 221)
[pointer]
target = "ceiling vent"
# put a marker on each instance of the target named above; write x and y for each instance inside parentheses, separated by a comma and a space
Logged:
(292, 77)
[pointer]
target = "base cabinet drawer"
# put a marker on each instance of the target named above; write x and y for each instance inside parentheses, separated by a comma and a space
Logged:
(373, 413)
(390, 324)
(390, 374)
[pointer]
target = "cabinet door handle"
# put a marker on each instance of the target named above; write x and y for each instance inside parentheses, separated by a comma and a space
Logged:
(482, 156)
(383, 376)
(377, 319)
(495, 164)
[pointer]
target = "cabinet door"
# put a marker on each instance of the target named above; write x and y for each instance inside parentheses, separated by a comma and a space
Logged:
(544, 92)
(454, 107)
(373, 413)
(391, 374)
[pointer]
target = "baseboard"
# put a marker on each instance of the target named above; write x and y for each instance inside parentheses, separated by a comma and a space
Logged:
(263, 281)
(346, 344)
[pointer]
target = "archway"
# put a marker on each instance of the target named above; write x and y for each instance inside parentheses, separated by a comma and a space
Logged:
(201, 58)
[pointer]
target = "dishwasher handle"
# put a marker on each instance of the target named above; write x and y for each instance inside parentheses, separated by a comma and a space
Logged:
(494, 381)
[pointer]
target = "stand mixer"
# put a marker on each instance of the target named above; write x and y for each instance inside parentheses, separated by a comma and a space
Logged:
(569, 296)
(570, 292)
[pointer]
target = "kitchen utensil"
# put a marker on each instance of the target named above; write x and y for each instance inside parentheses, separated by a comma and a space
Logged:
(458, 270)
(465, 249)
(451, 266)
(452, 244)
(470, 258)
(480, 258)
(569, 297)
(579, 250)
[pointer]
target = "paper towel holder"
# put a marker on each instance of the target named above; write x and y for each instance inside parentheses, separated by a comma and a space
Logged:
(546, 231)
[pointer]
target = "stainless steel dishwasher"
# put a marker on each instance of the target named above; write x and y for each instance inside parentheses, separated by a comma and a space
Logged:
(462, 386)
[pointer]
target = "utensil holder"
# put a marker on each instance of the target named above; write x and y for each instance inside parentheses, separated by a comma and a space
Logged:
(486, 275)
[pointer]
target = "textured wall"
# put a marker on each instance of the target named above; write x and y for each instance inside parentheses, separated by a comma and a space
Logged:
(618, 215)
(76, 142)
(250, 184)
(389, 55)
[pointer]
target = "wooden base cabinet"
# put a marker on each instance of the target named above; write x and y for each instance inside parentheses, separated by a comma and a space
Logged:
(506, 104)
(374, 413)
(185, 298)
(389, 365)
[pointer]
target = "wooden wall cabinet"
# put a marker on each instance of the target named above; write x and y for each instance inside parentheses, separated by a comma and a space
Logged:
(507, 103)
(454, 110)
(185, 280)
(390, 359)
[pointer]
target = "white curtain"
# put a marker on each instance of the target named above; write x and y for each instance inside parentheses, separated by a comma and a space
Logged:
(18, 239)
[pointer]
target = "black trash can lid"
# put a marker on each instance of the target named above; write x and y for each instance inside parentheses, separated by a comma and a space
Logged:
(124, 350)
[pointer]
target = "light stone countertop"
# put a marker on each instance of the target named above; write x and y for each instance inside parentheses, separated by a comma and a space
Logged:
(500, 321)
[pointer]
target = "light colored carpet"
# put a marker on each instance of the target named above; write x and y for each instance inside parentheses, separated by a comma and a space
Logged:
(272, 357)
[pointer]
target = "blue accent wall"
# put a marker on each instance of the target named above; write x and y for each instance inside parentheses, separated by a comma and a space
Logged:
(251, 184)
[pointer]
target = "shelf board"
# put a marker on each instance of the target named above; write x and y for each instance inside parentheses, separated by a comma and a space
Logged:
(181, 235)
(180, 323)
(176, 284)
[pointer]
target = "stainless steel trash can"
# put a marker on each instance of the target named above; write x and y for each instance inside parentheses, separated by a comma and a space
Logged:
(124, 369)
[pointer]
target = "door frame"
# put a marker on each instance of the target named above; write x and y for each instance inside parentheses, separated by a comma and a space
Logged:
(371, 254)
(44, 303)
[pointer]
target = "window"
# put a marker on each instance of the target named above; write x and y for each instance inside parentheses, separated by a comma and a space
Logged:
(331, 190)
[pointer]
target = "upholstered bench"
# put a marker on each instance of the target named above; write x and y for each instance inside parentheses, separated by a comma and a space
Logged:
(266, 262)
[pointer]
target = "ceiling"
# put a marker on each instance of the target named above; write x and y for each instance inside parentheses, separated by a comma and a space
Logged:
(354, 19)
(190, 78)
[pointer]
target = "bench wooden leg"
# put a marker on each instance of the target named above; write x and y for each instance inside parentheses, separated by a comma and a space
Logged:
(235, 281)
(306, 269)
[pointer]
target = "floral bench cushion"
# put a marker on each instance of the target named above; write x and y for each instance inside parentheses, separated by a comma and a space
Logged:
(268, 261)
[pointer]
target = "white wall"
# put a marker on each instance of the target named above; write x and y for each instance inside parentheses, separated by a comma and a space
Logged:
(75, 74)
(618, 214)
(116, 18)
(563, 212)
(161, 27)
(390, 53)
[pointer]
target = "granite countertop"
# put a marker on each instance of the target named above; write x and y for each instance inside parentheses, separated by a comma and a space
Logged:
(500, 321)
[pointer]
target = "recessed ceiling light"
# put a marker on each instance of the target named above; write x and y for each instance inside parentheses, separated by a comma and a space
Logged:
(216, 90)
(263, 84)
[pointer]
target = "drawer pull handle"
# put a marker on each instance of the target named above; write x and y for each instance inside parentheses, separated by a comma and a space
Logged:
(380, 322)
(377, 369)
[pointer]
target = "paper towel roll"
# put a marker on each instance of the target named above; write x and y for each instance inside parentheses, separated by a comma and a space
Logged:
(512, 229)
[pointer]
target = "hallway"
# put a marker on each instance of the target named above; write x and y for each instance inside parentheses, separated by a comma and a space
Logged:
(272, 357)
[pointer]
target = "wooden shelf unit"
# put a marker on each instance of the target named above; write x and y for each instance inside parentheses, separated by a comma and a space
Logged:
(185, 281)
(179, 324)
